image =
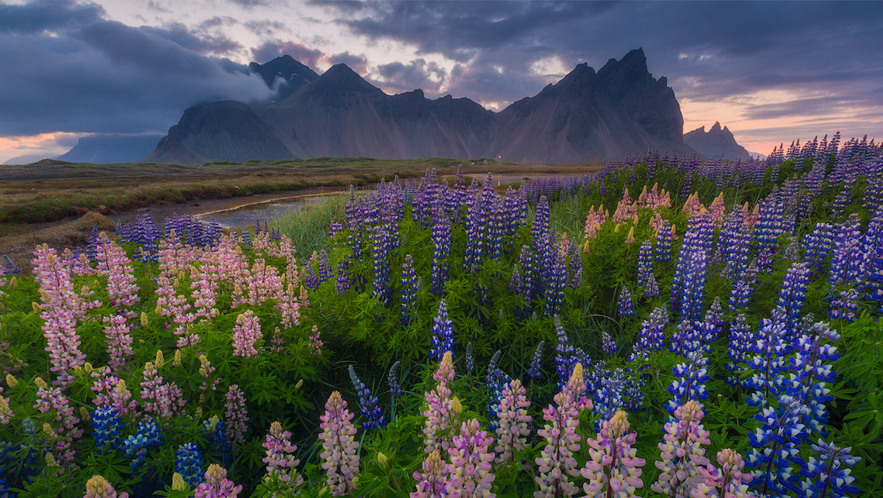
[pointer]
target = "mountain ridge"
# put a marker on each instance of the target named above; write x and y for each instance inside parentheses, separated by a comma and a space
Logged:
(619, 110)
(716, 142)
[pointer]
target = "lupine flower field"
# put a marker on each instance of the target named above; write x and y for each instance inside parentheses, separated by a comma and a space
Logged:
(665, 327)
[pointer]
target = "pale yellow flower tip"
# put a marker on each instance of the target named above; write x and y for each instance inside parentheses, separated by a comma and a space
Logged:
(11, 381)
(177, 361)
(178, 482)
(456, 406)
(40, 383)
(160, 360)
(144, 321)
(87, 367)
(383, 461)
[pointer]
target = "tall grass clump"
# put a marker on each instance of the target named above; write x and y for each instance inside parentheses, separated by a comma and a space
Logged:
(308, 227)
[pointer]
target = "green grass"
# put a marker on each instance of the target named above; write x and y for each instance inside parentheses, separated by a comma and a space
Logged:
(308, 227)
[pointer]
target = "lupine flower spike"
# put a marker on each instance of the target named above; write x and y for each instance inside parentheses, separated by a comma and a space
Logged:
(340, 448)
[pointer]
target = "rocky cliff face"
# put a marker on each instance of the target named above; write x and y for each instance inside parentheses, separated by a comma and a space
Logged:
(286, 73)
(716, 142)
(619, 110)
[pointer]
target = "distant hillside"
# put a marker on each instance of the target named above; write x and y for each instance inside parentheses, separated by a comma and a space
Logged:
(620, 110)
(716, 142)
(111, 149)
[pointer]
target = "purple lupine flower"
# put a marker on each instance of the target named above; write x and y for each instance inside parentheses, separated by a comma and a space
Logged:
(470, 360)
(342, 284)
(247, 335)
(236, 415)
(442, 333)
(555, 284)
(609, 394)
(380, 257)
(744, 287)
(216, 484)
(370, 409)
(624, 306)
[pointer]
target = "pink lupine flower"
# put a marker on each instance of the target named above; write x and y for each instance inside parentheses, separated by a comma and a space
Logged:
(206, 369)
(654, 199)
(433, 481)
(98, 487)
(727, 481)
(439, 409)
(246, 333)
(62, 343)
(472, 462)
(692, 206)
(612, 468)
(51, 400)
(263, 283)
(113, 263)
(111, 391)
(340, 448)
(316, 341)
(718, 210)
(289, 303)
(236, 415)
(277, 341)
(5, 412)
(119, 342)
(626, 209)
(216, 484)
(594, 219)
(282, 473)
(557, 464)
(683, 452)
(514, 420)
(162, 400)
(204, 287)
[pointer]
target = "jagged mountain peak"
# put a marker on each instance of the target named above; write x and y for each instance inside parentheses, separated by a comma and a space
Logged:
(716, 142)
(293, 74)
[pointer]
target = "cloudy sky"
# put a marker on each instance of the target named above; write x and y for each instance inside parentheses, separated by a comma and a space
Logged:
(771, 71)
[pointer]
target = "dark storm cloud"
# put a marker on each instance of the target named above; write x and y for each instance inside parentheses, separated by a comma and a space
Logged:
(265, 27)
(202, 43)
(36, 17)
(94, 75)
(398, 77)
(709, 50)
(272, 49)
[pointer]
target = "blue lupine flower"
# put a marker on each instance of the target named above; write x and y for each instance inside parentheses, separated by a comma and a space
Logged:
(817, 246)
(792, 295)
(470, 360)
(215, 431)
(608, 345)
(773, 444)
(370, 409)
(624, 306)
(827, 477)
(812, 364)
(380, 258)
(555, 284)
(441, 239)
(651, 336)
(395, 389)
(689, 383)
(744, 287)
(442, 333)
(564, 358)
(188, 463)
(536, 367)
(769, 361)
(409, 290)
(609, 395)
(662, 251)
(741, 345)
(107, 425)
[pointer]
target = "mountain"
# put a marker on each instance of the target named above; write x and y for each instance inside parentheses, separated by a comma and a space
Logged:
(25, 159)
(288, 73)
(111, 149)
(716, 142)
(620, 110)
